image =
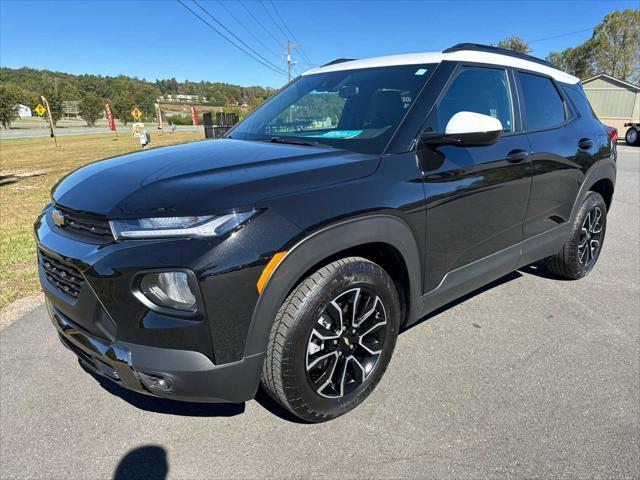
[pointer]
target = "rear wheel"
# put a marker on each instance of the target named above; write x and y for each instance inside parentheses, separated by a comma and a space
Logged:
(332, 339)
(631, 137)
(582, 249)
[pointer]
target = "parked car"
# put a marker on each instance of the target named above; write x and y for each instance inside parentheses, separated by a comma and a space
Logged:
(359, 198)
(631, 137)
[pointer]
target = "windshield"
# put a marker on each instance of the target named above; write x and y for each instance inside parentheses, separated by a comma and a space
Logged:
(356, 110)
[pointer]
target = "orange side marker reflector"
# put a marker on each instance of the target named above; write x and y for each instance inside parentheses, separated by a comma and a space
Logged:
(268, 269)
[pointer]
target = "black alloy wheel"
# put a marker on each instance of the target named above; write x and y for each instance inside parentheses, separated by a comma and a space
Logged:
(346, 343)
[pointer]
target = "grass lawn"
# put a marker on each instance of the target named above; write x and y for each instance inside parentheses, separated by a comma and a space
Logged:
(29, 167)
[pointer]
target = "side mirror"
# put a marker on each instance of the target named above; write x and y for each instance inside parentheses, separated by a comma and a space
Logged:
(466, 128)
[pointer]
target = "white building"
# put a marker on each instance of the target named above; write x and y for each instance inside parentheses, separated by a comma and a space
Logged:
(23, 111)
(180, 98)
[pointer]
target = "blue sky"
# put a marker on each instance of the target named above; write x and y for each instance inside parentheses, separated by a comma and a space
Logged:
(161, 39)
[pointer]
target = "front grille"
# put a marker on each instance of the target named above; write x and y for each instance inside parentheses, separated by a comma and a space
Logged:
(62, 275)
(85, 223)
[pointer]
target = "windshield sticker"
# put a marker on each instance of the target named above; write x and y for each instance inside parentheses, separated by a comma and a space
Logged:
(421, 71)
(338, 134)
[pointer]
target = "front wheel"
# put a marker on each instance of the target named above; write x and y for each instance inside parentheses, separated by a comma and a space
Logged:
(582, 249)
(631, 136)
(332, 339)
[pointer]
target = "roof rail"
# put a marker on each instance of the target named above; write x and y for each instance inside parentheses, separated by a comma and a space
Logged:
(478, 47)
(337, 60)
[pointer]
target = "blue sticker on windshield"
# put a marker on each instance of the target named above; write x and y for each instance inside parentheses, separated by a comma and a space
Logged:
(338, 134)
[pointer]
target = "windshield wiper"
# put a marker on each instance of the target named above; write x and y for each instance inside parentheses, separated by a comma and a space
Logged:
(292, 141)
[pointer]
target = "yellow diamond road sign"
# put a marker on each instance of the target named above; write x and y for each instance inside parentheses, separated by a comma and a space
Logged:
(40, 109)
(136, 113)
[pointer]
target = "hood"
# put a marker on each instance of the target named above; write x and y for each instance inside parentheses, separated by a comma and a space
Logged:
(205, 177)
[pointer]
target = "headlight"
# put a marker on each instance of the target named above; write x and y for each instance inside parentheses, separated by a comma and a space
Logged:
(165, 227)
(169, 290)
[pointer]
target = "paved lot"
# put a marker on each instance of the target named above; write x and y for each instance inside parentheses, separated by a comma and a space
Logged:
(533, 377)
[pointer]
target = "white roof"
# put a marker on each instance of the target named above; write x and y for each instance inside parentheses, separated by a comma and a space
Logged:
(458, 56)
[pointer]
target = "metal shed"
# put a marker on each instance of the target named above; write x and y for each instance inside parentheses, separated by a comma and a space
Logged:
(614, 101)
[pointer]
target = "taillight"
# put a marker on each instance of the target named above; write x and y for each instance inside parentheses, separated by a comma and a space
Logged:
(613, 134)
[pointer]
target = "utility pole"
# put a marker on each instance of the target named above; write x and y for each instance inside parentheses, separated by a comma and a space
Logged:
(290, 64)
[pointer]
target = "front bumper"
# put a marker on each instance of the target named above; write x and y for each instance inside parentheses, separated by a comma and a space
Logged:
(115, 335)
(190, 375)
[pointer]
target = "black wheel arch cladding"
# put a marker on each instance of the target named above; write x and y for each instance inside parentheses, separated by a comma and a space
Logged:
(323, 244)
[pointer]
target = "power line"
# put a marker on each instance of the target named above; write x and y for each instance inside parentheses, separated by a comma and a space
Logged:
(259, 22)
(221, 3)
(275, 9)
(561, 35)
(273, 19)
(235, 36)
(282, 72)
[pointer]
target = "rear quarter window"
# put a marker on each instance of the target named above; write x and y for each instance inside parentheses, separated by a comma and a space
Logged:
(543, 105)
(579, 100)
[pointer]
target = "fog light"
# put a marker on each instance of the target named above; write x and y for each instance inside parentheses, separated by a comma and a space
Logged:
(156, 382)
(169, 290)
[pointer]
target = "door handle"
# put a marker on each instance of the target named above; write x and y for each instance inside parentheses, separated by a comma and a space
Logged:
(585, 144)
(517, 156)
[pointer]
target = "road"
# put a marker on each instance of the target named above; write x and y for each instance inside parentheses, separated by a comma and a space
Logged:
(530, 377)
(79, 130)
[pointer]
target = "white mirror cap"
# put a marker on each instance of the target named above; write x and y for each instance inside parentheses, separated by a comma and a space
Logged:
(471, 122)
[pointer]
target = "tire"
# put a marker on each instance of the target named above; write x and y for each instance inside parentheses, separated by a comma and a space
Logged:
(580, 252)
(631, 137)
(303, 354)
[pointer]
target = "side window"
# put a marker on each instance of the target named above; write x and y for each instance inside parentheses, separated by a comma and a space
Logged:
(544, 108)
(479, 90)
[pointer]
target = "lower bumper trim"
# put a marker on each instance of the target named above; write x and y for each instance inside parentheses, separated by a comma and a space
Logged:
(193, 377)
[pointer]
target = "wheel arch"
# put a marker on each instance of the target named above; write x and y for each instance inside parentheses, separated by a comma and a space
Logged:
(601, 179)
(604, 187)
(384, 239)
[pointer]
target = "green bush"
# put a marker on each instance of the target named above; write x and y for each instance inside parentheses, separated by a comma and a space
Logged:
(178, 120)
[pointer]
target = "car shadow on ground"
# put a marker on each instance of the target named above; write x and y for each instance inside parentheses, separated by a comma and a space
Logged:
(537, 269)
(192, 409)
(147, 462)
(501, 281)
(165, 405)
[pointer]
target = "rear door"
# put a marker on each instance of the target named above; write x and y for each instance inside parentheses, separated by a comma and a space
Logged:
(476, 196)
(561, 152)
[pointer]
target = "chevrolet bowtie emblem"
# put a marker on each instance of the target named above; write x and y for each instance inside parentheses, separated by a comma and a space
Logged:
(58, 217)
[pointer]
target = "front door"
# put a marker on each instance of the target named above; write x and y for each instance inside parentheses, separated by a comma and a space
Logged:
(476, 196)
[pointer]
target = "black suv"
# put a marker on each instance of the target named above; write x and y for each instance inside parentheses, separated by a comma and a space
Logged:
(359, 198)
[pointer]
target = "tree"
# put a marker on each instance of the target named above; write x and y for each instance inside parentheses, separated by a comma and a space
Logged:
(514, 43)
(10, 95)
(254, 102)
(122, 105)
(577, 61)
(617, 44)
(91, 108)
(54, 100)
(614, 49)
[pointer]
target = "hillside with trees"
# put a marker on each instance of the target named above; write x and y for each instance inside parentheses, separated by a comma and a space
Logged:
(25, 85)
